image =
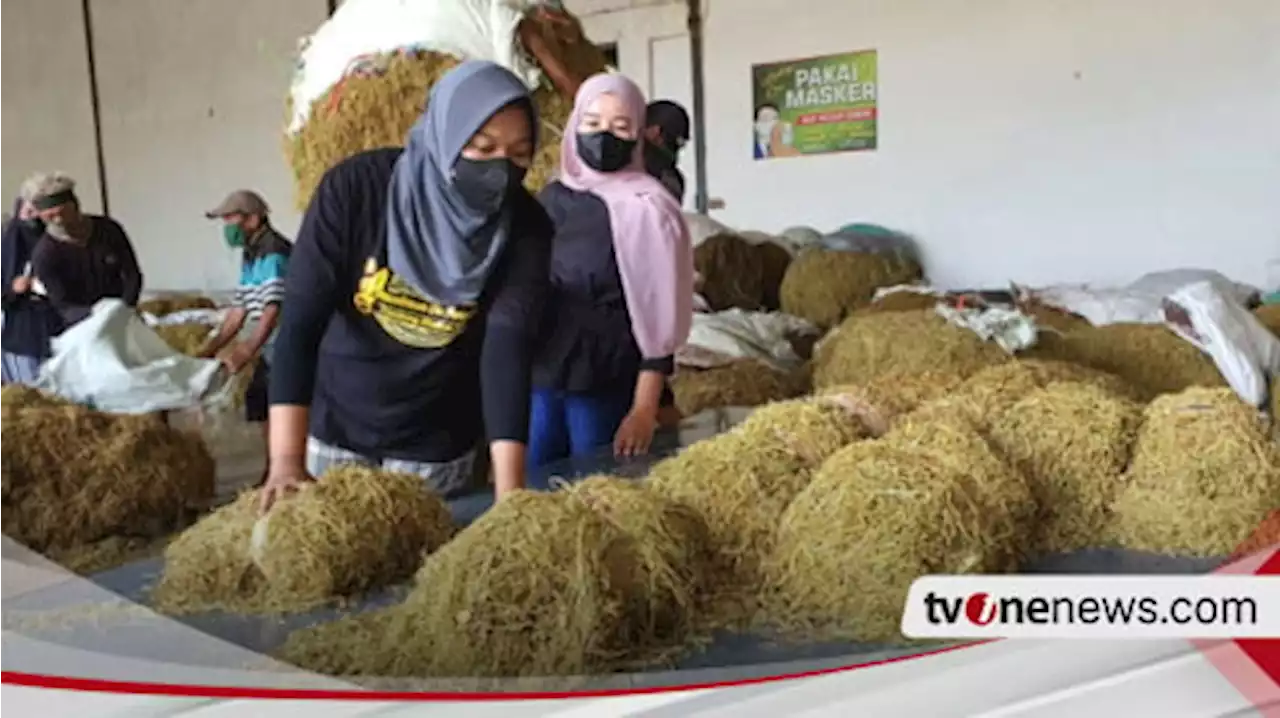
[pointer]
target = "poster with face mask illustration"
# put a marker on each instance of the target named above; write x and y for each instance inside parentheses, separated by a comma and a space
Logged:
(815, 106)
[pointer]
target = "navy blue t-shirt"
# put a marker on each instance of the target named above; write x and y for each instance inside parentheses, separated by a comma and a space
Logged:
(386, 373)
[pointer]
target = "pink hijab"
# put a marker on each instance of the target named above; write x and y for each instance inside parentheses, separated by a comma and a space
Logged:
(650, 238)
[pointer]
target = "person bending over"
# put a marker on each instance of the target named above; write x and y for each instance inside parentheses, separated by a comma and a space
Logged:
(412, 299)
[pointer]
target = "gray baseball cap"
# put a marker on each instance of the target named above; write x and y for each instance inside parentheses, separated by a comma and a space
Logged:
(242, 201)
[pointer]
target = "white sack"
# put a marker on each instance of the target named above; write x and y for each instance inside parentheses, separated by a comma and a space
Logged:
(1101, 307)
(1167, 282)
(701, 227)
(212, 317)
(717, 339)
(1012, 330)
(924, 289)
(1141, 301)
(114, 362)
(1246, 353)
(800, 237)
(471, 29)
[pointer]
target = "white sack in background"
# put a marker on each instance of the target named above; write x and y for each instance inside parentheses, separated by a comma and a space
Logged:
(1141, 301)
(471, 29)
(114, 362)
(212, 317)
(719, 338)
(1244, 350)
(924, 289)
(1012, 330)
(1169, 281)
(701, 227)
(800, 237)
(1101, 307)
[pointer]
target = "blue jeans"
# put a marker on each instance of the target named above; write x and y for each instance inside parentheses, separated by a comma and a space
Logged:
(564, 424)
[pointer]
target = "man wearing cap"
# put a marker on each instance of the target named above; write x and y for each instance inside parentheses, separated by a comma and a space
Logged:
(666, 131)
(89, 258)
(264, 259)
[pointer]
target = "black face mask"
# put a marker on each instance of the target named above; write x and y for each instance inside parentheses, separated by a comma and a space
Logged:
(605, 151)
(671, 143)
(34, 225)
(486, 184)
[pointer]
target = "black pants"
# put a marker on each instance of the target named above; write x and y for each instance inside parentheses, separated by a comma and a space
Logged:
(255, 396)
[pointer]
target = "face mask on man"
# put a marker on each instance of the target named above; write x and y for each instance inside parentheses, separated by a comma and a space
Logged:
(57, 228)
(671, 143)
(605, 151)
(33, 224)
(485, 185)
(234, 235)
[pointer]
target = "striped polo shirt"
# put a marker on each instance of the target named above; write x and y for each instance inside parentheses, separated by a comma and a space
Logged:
(262, 271)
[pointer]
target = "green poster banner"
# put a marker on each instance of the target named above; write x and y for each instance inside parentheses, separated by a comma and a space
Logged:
(815, 106)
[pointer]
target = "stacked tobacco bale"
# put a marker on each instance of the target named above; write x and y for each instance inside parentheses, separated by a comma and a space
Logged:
(1205, 472)
(824, 286)
(926, 450)
(740, 274)
(161, 306)
(190, 338)
(577, 582)
(355, 530)
(813, 517)
(383, 92)
(93, 489)
(743, 382)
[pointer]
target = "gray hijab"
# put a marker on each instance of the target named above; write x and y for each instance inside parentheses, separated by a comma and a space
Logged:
(435, 242)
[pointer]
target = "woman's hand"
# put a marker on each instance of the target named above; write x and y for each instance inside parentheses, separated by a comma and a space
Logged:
(283, 479)
(635, 434)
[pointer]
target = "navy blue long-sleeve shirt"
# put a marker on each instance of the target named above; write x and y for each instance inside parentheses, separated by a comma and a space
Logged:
(30, 321)
(369, 391)
(77, 275)
(588, 344)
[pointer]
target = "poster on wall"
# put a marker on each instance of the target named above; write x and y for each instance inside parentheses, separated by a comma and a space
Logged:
(815, 106)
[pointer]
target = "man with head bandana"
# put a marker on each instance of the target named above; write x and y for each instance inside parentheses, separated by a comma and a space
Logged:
(264, 259)
(86, 257)
(665, 134)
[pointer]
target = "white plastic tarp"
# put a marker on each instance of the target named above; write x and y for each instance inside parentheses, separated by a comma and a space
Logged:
(1141, 301)
(720, 338)
(1247, 354)
(212, 317)
(114, 362)
(470, 29)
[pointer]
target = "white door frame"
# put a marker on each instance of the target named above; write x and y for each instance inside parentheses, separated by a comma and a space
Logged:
(633, 29)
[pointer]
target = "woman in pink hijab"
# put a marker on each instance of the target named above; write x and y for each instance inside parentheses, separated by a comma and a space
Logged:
(621, 301)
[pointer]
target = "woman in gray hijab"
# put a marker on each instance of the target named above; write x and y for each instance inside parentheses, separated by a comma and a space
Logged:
(413, 298)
